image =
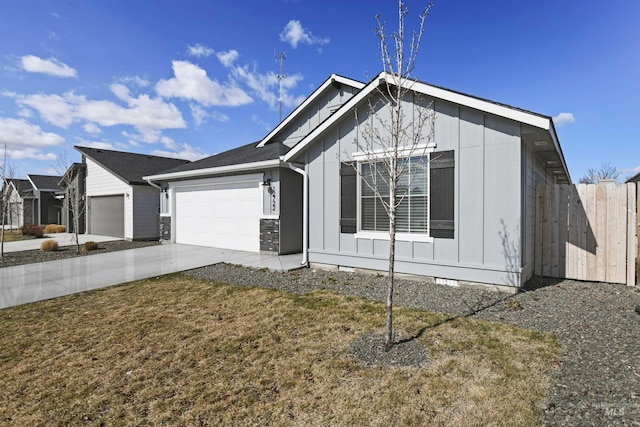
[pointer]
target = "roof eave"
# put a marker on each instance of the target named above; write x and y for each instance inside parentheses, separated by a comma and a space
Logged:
(197, 173)
(533, 119)
(102, 166)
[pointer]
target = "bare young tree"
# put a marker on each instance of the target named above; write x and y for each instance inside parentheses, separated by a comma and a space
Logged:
(606, 171)
(392, 137)
(7, 172)
(74, 196)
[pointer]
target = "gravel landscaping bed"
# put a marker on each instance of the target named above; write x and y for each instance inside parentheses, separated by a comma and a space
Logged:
(11, 259)
(598, 380)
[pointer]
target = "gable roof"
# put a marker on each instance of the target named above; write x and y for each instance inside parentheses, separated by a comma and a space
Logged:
(22, 186)
(244, 158)
(333, 79)
(130, 167)
(502, 110)
(45, 182)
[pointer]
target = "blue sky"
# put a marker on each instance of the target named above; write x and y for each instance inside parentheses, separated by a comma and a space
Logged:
(195, 78)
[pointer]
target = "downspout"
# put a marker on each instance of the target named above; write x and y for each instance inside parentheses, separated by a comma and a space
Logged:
(305, 211)
(153, 185)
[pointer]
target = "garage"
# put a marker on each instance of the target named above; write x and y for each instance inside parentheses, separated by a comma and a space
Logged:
(106, 215)
(224, 215)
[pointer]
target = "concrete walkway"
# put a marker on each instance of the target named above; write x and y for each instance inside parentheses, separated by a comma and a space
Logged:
(63, 239)
(36, 282)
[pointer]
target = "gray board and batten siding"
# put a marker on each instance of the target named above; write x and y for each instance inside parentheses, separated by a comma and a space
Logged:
(491, 203)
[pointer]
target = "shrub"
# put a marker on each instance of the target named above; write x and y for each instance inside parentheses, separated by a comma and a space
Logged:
(49, 245)
(32, 230)
(54, 228)
(89, 246)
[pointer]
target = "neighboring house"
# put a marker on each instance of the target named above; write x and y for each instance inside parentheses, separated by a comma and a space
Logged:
(474, 210)
(47, 208)
(73, 196)
(20, 206)
(119, 202)
(247, 198)
(634, 178)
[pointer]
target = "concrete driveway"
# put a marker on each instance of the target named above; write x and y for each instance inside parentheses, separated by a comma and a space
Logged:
(35, 282)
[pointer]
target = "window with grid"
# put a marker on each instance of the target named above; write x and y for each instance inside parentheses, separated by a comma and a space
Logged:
(412, 213)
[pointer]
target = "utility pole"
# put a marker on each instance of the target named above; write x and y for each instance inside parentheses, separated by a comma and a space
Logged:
(281, 58)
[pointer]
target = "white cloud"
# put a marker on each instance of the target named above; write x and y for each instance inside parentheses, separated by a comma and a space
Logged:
(17, 133)
(27, 141)
(30, 153)
(96, 144)
(192, 83)
(51, 66)
(228, 58)
(135, 80)
(148, 115)
(563, 119)
(294, 33)
(92, 128)
(266, 86)
(200, 115)
(169, 143)
(257, 120)
(199, 50)
(182, 151)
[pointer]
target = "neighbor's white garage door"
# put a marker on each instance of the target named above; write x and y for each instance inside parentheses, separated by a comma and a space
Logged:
(220, 215)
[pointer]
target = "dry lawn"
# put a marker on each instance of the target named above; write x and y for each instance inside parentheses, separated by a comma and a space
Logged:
(12, 236)
(181, 351)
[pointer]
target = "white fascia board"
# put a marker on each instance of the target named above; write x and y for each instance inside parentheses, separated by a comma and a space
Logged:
(556, 144)
(215, 171)
(482, 105)
(309, 100)
(435, 92)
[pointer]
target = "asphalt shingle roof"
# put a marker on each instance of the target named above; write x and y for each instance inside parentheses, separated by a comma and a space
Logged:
(130, 167)
(237, 156)
(22, 185)
(46, 182)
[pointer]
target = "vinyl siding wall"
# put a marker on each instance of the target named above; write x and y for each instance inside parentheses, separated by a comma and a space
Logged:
(488, 202)
(146, 208)
(290, 212)
(101, 182)
(314, 114)
(534, 174)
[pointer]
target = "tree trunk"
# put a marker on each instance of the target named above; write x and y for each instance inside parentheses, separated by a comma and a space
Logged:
(388, 342)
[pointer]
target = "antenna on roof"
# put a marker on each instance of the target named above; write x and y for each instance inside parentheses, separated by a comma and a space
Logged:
(281, 58)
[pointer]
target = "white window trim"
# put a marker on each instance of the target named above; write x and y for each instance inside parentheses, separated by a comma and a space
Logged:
(402, 153)
(384, 235)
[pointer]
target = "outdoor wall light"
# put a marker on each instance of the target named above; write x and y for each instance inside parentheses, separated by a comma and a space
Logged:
(267, 182)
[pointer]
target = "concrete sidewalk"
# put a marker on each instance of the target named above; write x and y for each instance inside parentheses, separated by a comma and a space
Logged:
(63, 239)
(36, 282)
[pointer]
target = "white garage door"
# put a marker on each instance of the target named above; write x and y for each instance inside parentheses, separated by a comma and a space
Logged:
(220, 215)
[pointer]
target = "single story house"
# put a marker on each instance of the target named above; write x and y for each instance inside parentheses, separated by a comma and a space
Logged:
(469, 214)
(20, 203)
(47, 208)
(247, 198)
(119, 202)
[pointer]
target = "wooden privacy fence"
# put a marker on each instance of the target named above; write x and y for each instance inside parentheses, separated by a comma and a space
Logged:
(587, 232)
